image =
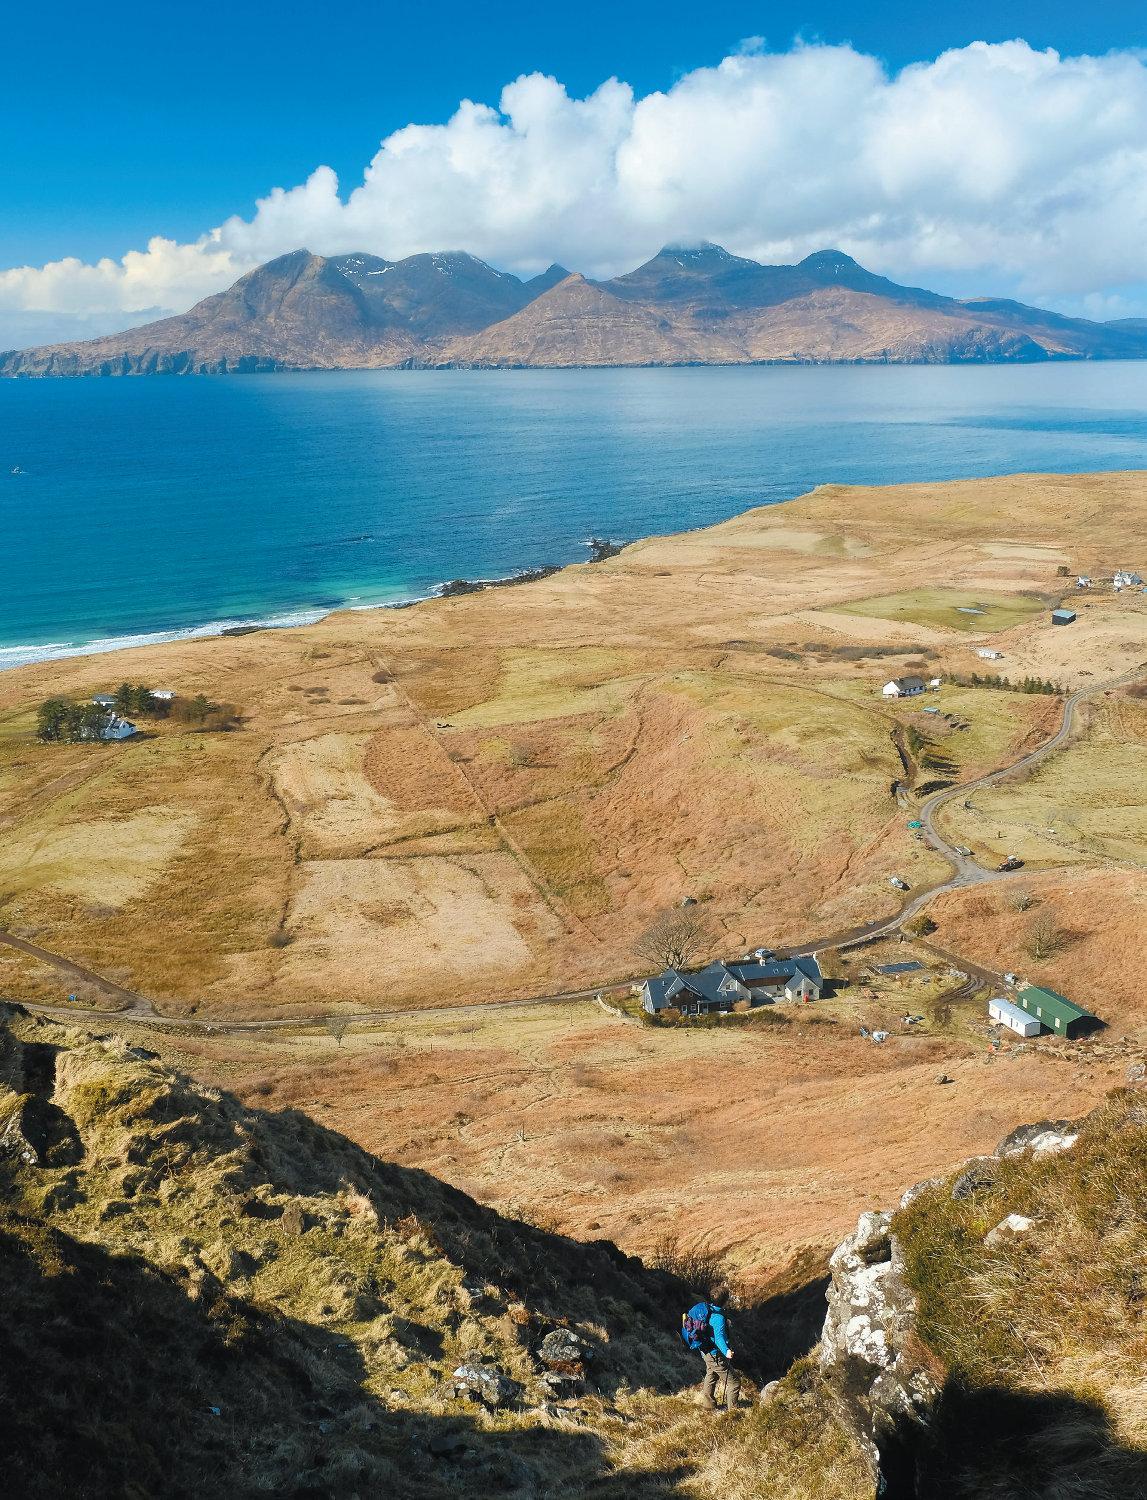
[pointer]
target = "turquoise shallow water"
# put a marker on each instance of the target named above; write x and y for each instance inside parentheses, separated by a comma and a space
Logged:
(157, 507)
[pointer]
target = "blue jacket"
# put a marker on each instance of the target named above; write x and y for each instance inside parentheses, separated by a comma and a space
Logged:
(719, 1329)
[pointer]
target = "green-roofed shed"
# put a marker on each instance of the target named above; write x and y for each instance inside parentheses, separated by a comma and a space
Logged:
(1056, 1012)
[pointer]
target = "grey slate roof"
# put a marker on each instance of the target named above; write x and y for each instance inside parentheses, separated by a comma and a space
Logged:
(673, 986)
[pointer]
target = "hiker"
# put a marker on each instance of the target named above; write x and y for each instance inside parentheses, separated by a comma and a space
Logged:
(705, 1328)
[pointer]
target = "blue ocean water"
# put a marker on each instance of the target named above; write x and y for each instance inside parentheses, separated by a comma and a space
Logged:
(158, 507)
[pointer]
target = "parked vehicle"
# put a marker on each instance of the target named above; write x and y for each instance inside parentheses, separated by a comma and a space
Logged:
(901, 885)
(1011, 863)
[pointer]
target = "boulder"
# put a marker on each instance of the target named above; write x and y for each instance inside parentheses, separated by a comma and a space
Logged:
(564, 1351)
(486, 1384)
(1044, 1138)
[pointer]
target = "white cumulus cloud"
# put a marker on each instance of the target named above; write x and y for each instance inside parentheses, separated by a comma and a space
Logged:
(991, 168)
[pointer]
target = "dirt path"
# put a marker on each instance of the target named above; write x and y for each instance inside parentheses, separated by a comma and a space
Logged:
(965, 869)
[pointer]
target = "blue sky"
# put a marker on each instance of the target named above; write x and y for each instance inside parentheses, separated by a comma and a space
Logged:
(150, 120)
(144, 119)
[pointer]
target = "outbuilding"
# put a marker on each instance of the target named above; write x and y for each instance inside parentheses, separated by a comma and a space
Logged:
(1009, 1015)
(1062, 616)
(1054, 1011)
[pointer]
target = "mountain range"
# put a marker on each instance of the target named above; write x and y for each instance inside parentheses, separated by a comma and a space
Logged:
(688, 305)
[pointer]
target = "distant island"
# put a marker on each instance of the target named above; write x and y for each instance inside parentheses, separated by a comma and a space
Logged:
(686, 306)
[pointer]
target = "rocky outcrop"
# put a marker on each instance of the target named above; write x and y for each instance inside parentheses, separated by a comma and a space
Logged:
(881, 1374)
(886, 1381)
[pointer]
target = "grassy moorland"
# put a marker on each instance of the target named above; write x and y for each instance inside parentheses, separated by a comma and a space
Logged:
(493, 795)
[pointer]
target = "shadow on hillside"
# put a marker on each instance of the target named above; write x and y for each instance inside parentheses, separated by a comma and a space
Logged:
(558, 1277)
(782, 1328)
(993, 1443)
(114, 1383)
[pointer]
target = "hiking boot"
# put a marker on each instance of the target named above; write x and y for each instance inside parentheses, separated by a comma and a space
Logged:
(706, 1403)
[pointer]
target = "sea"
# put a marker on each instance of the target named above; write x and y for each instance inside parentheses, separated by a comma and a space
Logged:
(147, 509)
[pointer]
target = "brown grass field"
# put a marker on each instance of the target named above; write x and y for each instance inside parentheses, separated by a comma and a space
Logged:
(491, 796)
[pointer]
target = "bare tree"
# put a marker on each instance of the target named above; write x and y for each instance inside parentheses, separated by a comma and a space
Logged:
(1021, 899)
(337, 1027)
(674, 939)
(1044, 936)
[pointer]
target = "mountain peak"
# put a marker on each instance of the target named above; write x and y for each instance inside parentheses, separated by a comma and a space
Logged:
(829, 261)
(699, 255)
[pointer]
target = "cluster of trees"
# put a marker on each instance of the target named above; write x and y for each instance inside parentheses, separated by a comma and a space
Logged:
(1005, 684)
(202, 713)
(62, 722)
(137, 699)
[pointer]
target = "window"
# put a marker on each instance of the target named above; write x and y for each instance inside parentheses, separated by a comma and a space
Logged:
(1057, 1023)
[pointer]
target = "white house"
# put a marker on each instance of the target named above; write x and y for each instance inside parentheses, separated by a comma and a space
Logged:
(103, 700)
(117, 728)
(903, 687)
(988, 654)
(1125, 580)
(1011, 1016)
(1083, 581)
(165, 695)
(934, 683)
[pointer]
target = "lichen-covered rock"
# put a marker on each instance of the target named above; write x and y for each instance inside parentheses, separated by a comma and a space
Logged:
(865, 1347)
(486, 1384)
(564, 1351)
(1043, 1138)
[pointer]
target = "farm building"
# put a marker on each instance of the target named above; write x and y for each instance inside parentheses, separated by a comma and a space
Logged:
(988, 654)
(1009, 1015)
(103, 700)
(1056, 1012)
(165, 695)
(1126, 580)
(1062, 616)
(720, 986)
(903, 687)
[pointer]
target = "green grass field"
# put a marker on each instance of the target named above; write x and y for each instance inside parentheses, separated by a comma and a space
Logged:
(947, 609)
